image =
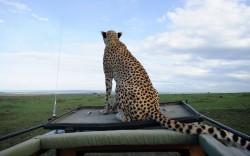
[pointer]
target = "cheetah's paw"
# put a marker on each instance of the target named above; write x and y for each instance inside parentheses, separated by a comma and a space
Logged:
(104, 111)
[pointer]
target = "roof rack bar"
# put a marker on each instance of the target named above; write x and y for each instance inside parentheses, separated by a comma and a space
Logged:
(242, 135)
(21, 132)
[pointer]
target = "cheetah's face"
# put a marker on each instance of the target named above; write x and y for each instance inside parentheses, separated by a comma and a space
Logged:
(110, 36)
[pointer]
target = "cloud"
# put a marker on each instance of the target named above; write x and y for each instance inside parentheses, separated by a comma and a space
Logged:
(127, 1)
(40, 18)
(162, 19)
(207, 26)
(2, 21)
(79, 68)
(16, 5)
(183, 72)
(205, 47)
(105, 19)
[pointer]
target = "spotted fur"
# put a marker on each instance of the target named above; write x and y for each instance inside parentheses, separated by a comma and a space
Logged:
(137, 99)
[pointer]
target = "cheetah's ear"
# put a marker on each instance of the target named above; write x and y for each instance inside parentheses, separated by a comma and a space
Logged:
(103, 34)
(119, 34)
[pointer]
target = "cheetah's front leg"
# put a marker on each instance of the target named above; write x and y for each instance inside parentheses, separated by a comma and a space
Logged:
(108, 82)
(116, 100)
(122, 116)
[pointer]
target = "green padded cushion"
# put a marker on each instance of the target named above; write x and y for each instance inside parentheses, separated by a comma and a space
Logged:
(119, 137)
(23, 149)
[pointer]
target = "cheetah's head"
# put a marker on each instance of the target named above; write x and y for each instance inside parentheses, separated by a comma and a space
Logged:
(110, 37)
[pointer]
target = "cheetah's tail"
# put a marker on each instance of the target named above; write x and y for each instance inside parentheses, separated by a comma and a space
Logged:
(198, 129)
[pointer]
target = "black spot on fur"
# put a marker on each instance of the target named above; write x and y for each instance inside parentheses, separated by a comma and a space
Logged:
(187, 131)
(248, 147)
(199, 130)
(190, 126)
(169, 126)
(235, 138)
(177, 126)
(242, 142)
(215, 136)
(181, 130)
(218, 128)
(228, 139)
(211, 130)
(223, 133)
(203, 127)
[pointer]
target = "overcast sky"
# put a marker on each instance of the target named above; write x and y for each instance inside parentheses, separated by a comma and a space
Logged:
(185, 45)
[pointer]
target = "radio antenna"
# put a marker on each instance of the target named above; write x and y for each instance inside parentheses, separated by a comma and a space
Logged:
(57, 75)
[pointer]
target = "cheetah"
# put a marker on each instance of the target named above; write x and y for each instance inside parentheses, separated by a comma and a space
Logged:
(137, 99)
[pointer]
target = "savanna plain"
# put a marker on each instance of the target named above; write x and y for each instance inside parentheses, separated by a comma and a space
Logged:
(18, 112)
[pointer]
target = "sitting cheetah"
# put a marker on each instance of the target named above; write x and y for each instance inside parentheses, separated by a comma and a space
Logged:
(136, 98)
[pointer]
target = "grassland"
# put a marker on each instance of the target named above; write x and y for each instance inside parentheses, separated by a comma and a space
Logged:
(19, 112)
